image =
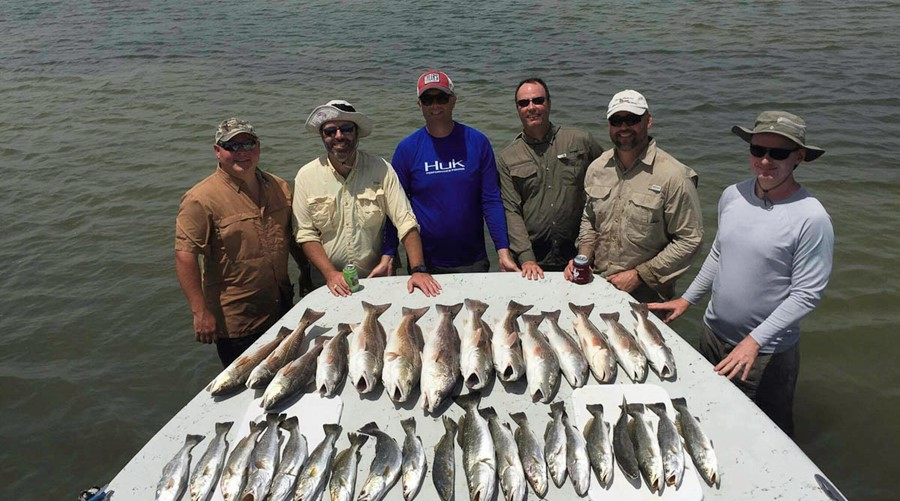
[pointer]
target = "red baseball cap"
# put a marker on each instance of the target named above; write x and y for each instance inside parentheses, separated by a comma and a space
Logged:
(434, 79)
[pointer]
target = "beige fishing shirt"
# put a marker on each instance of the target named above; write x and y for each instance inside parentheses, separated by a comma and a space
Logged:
(347, 215)
(646, 218)
(542, 185)
(245, 249)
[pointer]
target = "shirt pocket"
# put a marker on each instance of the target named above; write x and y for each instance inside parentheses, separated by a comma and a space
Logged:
(574, 164)
(597, 203)
(239, 235)
(524, 178)
(370, 204)
(321, 211)
(643, 211)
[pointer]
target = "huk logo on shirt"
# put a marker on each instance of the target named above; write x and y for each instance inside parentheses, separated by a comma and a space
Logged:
(439, 167)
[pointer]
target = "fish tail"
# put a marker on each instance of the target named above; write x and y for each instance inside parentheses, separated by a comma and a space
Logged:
(658, 408)
(476, 306)
(520, 418)
(257, 426)
(332, 429)
(375, 309)
(517, 309)
(223, 428)
(451, 310)
(679, 404)
(469, 401)
(193, 440)
(488, 413)
(639, 310)
(310, 316)
(357, 440)
(614, 316)
(582, 310)
(409, 425)
(369, 428)
(552, 315)
(450, 425)
(557, 409)
(534, 320)
(415, 313)
(595, 409)
(291, 423)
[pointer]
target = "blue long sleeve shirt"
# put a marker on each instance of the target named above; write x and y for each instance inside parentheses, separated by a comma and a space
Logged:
(453, 186)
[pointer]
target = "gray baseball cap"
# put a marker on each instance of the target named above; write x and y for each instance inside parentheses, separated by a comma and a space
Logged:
(784, 124)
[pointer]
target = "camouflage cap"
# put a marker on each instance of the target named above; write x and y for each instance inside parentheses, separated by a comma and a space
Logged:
(231, 127)
(784, 124)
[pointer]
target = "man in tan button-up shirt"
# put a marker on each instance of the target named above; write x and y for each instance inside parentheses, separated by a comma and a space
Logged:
(641, 225)
(341, 202)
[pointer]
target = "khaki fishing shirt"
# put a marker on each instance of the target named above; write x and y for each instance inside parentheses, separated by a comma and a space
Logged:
(347, 215)
(244, 249)
(646, 218)
(542, 185)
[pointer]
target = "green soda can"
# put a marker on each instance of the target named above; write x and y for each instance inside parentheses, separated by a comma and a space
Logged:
(351, 276)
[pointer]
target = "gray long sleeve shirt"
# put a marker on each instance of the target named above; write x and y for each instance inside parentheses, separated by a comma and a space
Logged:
(767, 268)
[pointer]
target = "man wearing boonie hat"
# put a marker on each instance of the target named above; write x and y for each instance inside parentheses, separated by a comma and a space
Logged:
(641, 226)
(239, 221)
(343, 199)
(542, 183)
(449, 173)
(766, 270)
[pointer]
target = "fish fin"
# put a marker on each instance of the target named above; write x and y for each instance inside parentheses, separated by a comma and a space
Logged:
(476, 306)
(257, 426)
(409, 425)
(581, 310)
(460, 426)
(639, 310)
(624, 403)
(658, 408)
(557, 409)
(451, 310)
(552, 315)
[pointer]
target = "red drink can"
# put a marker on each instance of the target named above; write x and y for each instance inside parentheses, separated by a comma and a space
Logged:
(581, 274)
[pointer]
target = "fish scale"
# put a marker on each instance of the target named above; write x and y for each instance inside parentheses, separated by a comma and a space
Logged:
(403, 356)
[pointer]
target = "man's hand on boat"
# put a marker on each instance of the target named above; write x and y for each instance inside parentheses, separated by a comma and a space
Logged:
(673, 309)
(425, 282)
(532, 271)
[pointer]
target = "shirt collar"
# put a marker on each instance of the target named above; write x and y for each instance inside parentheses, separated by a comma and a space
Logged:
(647, 157)
(548, 138)
(239, 185)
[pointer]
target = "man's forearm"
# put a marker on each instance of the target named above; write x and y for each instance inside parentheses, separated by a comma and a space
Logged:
(187, 269)
(315, 252)
(412, 242)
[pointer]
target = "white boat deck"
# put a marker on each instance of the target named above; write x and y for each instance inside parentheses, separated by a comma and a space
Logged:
(756, 460)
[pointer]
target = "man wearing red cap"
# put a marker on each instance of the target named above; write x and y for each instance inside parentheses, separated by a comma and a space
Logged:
(450, 176)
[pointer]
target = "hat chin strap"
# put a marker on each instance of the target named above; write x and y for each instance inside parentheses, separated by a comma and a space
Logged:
(767, 202)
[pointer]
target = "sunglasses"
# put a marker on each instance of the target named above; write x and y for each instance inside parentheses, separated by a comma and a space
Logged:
(345, 129)
(629, 120)
(234, 146)
(536, 100)
(429, 99)
(774, 153)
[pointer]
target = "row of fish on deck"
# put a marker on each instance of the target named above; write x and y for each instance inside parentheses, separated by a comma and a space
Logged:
(436, 363)
(257, 468)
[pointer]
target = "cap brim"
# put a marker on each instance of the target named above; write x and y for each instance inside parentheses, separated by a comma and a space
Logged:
(637, 110)
(812, 152)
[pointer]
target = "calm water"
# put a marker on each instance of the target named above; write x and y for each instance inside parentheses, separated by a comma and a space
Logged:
(108, 111)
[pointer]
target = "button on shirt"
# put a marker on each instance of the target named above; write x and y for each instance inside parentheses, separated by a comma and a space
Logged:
(347, 215)
(646, 218)
(542, 185)
(245, 248)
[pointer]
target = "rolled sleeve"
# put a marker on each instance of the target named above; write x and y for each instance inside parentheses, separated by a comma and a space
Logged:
(399, 209)
(304, 229)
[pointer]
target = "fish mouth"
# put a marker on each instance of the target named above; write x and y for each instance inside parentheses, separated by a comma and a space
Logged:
(538, 395)
(508, 373)
(397, 395)
(362, 385)
(473, 380)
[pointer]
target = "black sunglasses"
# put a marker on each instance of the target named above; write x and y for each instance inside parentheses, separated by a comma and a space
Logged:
(774, 153)
(536, 100)
(345, 129)
(629, 120)
(234, 146)
(429, 99)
